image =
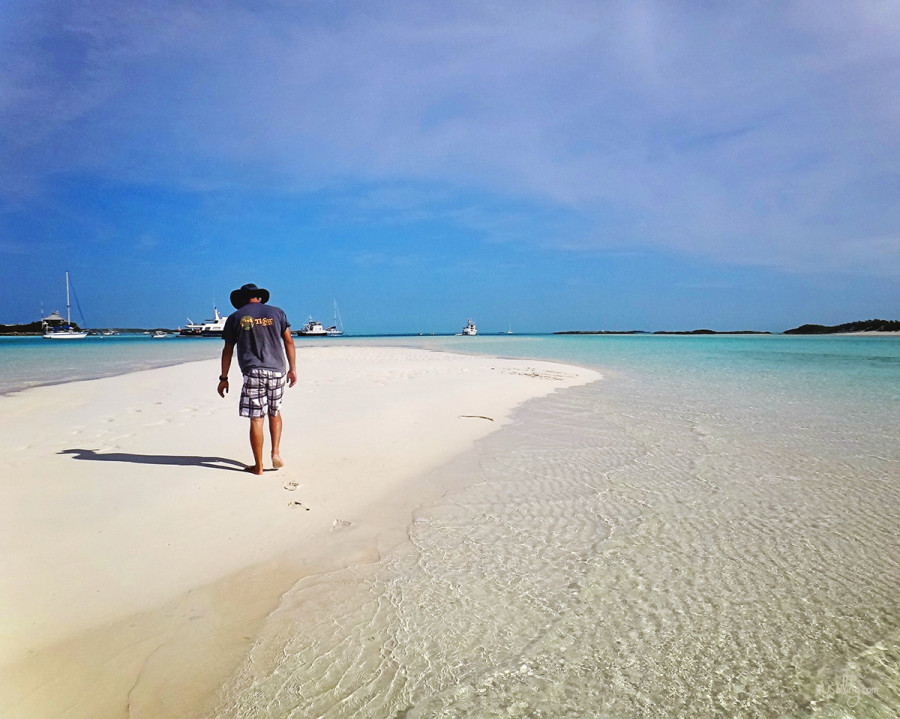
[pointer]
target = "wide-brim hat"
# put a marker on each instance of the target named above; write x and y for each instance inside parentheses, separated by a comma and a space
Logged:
(242, 295)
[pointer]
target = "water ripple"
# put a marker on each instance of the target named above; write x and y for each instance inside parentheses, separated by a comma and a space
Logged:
(624, 550)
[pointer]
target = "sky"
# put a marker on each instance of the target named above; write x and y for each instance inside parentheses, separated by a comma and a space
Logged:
(540, 166)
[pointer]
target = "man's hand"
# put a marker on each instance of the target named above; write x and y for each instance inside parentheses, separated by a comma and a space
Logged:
(292, 377)
(227, 353)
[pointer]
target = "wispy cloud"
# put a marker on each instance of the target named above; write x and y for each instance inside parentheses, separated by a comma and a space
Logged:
(745, 133)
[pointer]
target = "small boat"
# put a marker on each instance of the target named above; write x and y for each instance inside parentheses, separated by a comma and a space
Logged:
(470, 329)
(159, 335)
(208, 328)
(312, 329)
(66, 331)
(337, 329)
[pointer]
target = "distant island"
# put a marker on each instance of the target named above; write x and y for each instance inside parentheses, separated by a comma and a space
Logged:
(32, 328)
(36, 329)
(661, 332)
(848, 327)
(864, 326)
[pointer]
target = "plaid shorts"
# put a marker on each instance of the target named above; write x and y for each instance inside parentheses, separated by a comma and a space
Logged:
(262, 393)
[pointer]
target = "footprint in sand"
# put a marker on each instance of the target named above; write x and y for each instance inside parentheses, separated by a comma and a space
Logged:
(297, 504)
(291, 486)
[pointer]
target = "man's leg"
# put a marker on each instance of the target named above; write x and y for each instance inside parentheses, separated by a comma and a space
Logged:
(256, 444)
(275, 432)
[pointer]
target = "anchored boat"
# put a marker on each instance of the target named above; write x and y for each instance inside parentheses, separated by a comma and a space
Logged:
(208, 328)
(66, 331)
(312, 328)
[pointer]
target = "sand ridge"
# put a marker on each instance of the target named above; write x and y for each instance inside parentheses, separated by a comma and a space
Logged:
(125, 502)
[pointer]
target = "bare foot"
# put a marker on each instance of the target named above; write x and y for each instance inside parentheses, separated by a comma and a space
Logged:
(277, 462)
(253, 469)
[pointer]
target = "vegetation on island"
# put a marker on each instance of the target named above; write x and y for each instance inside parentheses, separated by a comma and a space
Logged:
(32, 328)
(864, 326)
(36, 329)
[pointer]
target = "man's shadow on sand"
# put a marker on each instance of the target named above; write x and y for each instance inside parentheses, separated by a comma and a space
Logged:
(162, 459)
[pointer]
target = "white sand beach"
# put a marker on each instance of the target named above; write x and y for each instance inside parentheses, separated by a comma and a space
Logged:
(870, 334)
(138, 557)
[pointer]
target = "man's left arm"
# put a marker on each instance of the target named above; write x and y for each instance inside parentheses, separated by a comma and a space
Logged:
(291, 353)
(227, 354)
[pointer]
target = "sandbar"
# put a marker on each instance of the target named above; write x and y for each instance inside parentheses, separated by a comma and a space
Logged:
(139, 558)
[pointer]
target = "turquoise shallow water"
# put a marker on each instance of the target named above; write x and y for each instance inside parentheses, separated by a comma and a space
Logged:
(32, 361)
(711, 530)
(845, 366)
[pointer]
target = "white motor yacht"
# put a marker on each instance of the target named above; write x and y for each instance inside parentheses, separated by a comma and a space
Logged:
(208, 328)
(312, 328)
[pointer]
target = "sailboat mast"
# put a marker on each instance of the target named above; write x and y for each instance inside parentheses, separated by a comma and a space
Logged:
(337, 316)
(68, 307)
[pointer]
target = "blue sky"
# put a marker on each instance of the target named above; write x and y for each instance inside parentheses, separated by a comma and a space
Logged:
(549, 165)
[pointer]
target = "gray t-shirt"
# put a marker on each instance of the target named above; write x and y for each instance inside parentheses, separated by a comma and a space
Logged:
(256, 330)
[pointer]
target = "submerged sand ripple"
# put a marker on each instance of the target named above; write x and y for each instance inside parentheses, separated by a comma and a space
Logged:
(632, 550)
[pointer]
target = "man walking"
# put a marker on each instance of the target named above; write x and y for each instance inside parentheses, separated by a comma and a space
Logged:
(262, 335)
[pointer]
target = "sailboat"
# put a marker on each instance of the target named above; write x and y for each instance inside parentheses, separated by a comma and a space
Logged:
(337, 329)
(66, 332)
